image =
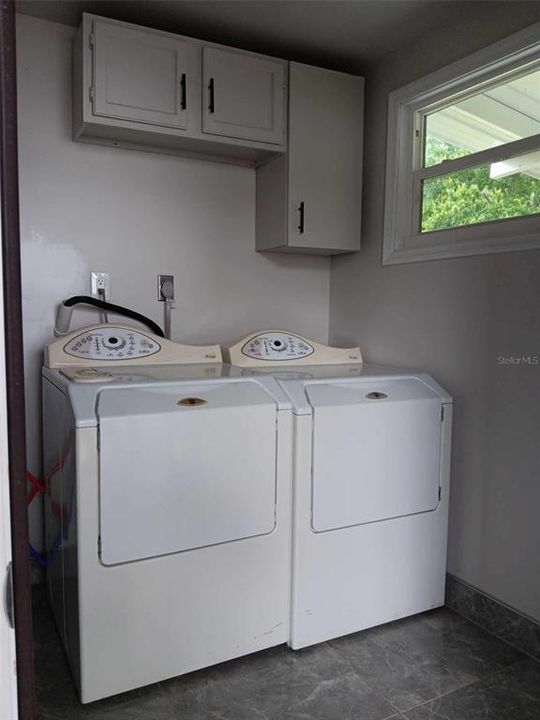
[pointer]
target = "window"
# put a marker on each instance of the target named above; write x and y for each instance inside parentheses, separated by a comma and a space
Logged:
(463, 156)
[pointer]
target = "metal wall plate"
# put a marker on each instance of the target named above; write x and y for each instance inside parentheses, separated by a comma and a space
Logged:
(165, 287)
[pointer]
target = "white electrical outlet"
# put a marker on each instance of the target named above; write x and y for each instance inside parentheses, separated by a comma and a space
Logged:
(100, 283)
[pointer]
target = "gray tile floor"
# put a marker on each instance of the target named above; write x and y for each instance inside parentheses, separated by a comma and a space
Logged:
(435, 666)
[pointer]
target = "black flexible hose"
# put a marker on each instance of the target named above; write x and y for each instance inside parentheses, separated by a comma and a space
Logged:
(118, 309)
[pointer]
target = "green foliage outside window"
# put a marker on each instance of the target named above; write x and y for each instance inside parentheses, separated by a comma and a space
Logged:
(471, 196)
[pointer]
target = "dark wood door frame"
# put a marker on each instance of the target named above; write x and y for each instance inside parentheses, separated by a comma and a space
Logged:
(9, 197)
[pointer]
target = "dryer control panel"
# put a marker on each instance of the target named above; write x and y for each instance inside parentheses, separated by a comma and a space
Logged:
(279, 347)
(111, 343)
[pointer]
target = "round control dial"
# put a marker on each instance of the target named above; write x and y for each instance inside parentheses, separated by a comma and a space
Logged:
(112, 341)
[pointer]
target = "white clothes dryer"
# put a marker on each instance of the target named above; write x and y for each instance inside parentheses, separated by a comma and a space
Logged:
(370, 484)
(167, 507)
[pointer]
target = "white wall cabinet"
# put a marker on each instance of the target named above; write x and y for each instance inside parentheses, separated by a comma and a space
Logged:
(141, 76)
(244, 96)
(309, 201)
(140, 87)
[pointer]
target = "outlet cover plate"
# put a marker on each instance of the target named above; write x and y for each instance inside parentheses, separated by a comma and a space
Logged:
(100, 281)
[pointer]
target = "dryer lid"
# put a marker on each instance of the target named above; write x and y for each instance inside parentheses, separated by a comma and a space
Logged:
(368, 391)
(396, 384)
(376, 451)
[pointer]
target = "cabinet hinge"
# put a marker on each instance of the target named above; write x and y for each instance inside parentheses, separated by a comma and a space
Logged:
(91, 39)
(440, 493)
(91, 93)
(99, 545)
(442, 413)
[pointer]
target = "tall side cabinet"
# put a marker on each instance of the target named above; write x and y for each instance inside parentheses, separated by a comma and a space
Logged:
(309, 200)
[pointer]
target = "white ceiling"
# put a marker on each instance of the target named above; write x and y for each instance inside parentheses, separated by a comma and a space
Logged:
(341, 34)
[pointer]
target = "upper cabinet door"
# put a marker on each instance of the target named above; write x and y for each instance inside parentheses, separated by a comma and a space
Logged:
(243, 96)
(141, 75)
(325, 159)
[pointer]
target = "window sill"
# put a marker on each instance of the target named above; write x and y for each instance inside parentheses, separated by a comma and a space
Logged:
(493, 237)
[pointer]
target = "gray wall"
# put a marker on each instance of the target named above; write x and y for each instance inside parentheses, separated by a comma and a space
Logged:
(454, 318)
(136, 214)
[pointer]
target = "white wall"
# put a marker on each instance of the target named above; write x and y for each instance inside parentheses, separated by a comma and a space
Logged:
(455, 318)
(136, 214)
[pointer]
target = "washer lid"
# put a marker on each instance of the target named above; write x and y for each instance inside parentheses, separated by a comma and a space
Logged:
(165, 398)
(83, 395)
(184, 467)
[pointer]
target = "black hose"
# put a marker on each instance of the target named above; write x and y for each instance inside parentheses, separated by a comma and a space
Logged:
(118, 309)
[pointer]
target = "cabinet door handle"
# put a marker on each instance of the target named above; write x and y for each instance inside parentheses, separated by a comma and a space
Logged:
(183, 99)
(301, 213)
(8, 596)
(211, 106)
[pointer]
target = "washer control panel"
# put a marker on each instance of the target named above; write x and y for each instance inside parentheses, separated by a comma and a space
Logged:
(277, 346)
(111, 343)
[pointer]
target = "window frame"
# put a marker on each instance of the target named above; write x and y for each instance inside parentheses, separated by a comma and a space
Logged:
(407, 107)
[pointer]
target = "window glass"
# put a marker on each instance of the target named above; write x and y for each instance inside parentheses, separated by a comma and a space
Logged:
(463, 160)
(480, 194)
(500, 114)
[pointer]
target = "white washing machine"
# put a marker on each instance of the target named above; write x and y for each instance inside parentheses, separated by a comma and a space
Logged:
(167, 507)
(370, 484)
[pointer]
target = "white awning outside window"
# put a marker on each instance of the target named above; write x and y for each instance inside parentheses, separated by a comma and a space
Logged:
(499, 115)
